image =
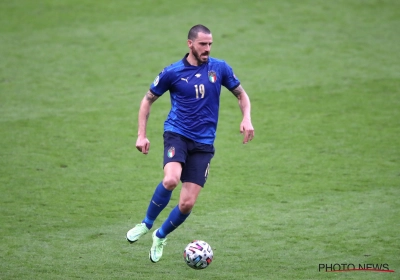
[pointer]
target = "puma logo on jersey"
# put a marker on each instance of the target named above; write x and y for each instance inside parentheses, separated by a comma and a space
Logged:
(186, 80)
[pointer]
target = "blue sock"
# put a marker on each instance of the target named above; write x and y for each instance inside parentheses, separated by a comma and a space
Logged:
(158, 202)
(175, 219)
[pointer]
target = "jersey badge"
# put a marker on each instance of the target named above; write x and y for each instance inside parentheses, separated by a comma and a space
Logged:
(198, 75)
(171, 152)
(212, 76)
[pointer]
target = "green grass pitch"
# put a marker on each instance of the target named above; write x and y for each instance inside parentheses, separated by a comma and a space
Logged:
(319, 184)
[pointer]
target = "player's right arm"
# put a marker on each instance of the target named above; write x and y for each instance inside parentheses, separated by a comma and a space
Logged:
(142, 143)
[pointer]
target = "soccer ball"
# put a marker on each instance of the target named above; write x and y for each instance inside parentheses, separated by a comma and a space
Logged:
(198, 254)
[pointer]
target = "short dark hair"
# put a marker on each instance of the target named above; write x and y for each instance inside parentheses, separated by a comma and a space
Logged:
(196, 29)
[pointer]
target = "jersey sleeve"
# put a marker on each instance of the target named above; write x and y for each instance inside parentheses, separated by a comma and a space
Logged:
(161, 83)
(229, 80)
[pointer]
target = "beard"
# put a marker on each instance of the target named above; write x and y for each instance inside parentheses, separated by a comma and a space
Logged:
(198, 57)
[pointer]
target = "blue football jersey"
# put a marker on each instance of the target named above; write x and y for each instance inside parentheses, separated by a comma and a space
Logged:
(195, 95)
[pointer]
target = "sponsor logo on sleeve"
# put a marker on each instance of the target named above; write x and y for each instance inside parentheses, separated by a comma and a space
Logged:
(156, 80)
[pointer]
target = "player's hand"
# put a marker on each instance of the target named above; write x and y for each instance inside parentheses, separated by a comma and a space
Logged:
(143, 145)
(246, 128)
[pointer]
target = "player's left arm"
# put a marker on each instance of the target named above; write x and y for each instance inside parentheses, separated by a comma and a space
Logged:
(246, 127)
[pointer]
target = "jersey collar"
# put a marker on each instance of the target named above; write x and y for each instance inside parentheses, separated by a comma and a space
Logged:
(187, 64)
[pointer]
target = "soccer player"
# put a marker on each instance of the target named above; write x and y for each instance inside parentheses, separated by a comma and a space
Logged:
(194, 83)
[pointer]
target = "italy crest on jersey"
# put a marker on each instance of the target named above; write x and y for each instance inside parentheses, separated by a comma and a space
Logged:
(212, 76)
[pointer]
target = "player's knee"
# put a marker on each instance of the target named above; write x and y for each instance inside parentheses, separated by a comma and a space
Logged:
(186, 206)
(170, 182)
